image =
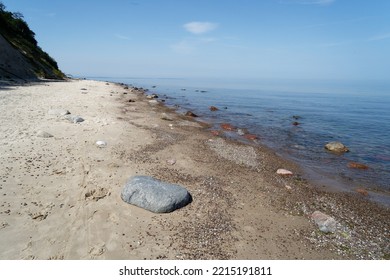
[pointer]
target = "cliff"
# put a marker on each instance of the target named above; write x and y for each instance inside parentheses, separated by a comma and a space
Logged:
(20, 56)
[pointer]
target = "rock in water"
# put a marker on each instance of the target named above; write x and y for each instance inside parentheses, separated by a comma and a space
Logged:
(324, 222)
(154, 195)
(336, 147)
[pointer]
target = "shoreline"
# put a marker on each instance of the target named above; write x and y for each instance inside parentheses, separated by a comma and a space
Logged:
(241, 208)
(316, 176)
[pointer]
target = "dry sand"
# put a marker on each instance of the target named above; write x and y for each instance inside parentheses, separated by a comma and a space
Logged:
(60, 196)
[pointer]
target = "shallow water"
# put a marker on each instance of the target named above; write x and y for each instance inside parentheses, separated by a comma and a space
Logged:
(356, 114)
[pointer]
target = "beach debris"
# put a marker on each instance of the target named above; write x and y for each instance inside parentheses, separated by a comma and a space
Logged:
(171, 161)
(74, 119)
(39, 216)
(362, 191)
(101, 143)
(357, 165)
(213, 108)
(43, 134)
(284, 172)
(154, 195)
(336, 147)
(166, 117)
(191, 114)
(324, 222)
(58, 112)
(250, 136)
(227, 126)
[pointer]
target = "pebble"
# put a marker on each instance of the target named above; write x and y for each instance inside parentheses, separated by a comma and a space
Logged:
(101, 144)
(282, 171)
(171, 161)
(325, 223)
(336, 147)
(357, 165)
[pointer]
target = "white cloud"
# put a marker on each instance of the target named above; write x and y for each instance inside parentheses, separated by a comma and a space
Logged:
(380, 37)
(197, 27)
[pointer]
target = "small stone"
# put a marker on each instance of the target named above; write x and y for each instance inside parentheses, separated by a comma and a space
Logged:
(296, 123)
(288, 187)
(227, 126)
(324, 222)
(284, 172)
(191, 114)
(242, 131)
(171, 161)
(250, 136)
(215, 132)
(101, 144)
(356, 165)
(74, 119)
(362, 191)
(336, 147)
(43, 134)
(152, 96)
(213, 108)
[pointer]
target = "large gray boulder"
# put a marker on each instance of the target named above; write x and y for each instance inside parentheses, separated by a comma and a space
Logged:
(154, 195)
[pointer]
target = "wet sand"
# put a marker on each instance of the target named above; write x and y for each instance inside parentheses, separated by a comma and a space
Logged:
(60, 196)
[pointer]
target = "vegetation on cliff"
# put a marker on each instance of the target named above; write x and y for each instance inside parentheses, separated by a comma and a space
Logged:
(17, 32)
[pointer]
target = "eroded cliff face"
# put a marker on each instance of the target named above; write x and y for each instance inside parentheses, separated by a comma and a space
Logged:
(21, 58)
(13, 65)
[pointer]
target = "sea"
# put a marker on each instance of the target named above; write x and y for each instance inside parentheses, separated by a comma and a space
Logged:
(356, 113)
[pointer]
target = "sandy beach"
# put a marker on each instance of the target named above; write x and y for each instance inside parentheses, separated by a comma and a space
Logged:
(60, 192)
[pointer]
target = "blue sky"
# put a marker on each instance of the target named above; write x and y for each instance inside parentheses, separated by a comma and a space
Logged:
(288, 39)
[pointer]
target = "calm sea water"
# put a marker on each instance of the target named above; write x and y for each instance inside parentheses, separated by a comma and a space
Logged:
(356, 114)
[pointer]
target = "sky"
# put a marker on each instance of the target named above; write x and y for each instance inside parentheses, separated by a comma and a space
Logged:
(260, 39)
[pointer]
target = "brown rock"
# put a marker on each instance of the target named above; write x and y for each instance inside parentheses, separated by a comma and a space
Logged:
(190, 114)
(215, 132)
(357, 165)
(362, 191)
(250, 136)
(227, 126)
(213, 108)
